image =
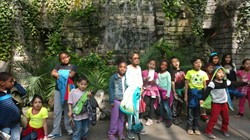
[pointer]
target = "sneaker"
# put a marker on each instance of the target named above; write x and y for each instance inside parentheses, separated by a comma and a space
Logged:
(121, 135)
(149, 122)
(239, 115)
(226, 134)
(160, 120)
(211, 136)
(70, 132)
(190, 131)
(197, 132)
(143, 132)
(204, 117)
(169, 123)
(130, 135)
(112, 137)
(176, 121)
(53, 136)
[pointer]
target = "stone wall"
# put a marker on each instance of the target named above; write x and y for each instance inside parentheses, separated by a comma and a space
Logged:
(121, 26)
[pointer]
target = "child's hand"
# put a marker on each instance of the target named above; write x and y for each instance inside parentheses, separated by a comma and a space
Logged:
(89, 93)
(201, 102)
(70, 114)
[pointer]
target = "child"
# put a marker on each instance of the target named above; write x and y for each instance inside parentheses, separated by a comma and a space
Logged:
(151, 93)
(81, 120)
(209, 69)
(165, 90)
(134, 79)
(178, 86)
(220, 100)
(230, 68)
(9, 112)
(194, 86)
(64, 74)
(244, 75)
(214, 59)
(116, 90)
(37, 120)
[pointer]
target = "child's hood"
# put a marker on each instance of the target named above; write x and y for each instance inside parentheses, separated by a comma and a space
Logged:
(216, 70)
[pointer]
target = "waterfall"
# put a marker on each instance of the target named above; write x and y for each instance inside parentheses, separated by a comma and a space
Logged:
(128, 25)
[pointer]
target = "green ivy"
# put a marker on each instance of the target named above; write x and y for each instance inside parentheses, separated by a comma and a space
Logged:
(243, 24)
(197, 7)
(171, 8)
(194, 8)
(6, 29)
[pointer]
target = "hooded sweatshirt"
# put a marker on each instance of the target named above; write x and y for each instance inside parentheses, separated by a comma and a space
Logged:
(218, 89)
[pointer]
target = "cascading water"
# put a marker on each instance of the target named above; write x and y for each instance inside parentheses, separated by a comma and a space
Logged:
(129, 25)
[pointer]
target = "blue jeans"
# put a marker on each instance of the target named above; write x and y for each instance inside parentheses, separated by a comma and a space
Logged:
(193, 118)
(164, 106)
(81, 129)
(14, 132)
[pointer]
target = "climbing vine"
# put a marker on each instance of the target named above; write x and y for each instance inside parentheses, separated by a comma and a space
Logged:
(243, 24)
(195, 9)
(6, 29)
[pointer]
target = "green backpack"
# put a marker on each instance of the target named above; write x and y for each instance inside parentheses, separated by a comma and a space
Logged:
(77, 109)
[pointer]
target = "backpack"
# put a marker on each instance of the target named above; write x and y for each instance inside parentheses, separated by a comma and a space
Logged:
(77, 109)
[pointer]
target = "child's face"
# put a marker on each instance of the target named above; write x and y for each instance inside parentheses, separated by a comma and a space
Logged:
(64, 58)
(135, 60)
(164, 66)
(8, 84)
(220, 74)
(175, 63)
(122, 68)
(151, 64)
(247, 65)
(82, 85)
(37, 104)
(228, 59)
(210, 69)
(197, 64)
(216, 59)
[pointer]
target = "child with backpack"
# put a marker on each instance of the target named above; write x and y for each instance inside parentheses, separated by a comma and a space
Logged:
(37, 115)
(134, 81)
(78, 109)
(9, 112)
(116, 89)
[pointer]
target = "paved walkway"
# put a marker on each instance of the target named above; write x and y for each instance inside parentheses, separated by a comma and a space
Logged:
(239, 129)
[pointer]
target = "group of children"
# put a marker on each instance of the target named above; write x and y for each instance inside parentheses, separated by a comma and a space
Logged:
(149, 90)
(169, 90)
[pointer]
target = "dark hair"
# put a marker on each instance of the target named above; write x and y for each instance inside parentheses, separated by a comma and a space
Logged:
(223, 61)
(195, 59)
(164, 60)
(120, 60)
(132, 53)
(173, 57)
(36, 96)
(151, 60)
(212, 55)
(61, 54)
(4, 76)
(82, 78)
(243, 62)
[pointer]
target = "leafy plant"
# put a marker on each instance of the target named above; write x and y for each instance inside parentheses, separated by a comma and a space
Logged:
(37, 77)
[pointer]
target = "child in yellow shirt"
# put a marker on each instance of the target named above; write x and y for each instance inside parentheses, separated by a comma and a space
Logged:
(37, 121)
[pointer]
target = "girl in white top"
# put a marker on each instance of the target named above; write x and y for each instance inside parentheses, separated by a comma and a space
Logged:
(134, 79)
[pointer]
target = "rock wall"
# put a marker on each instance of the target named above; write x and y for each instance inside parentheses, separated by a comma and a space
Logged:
(120, 26)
